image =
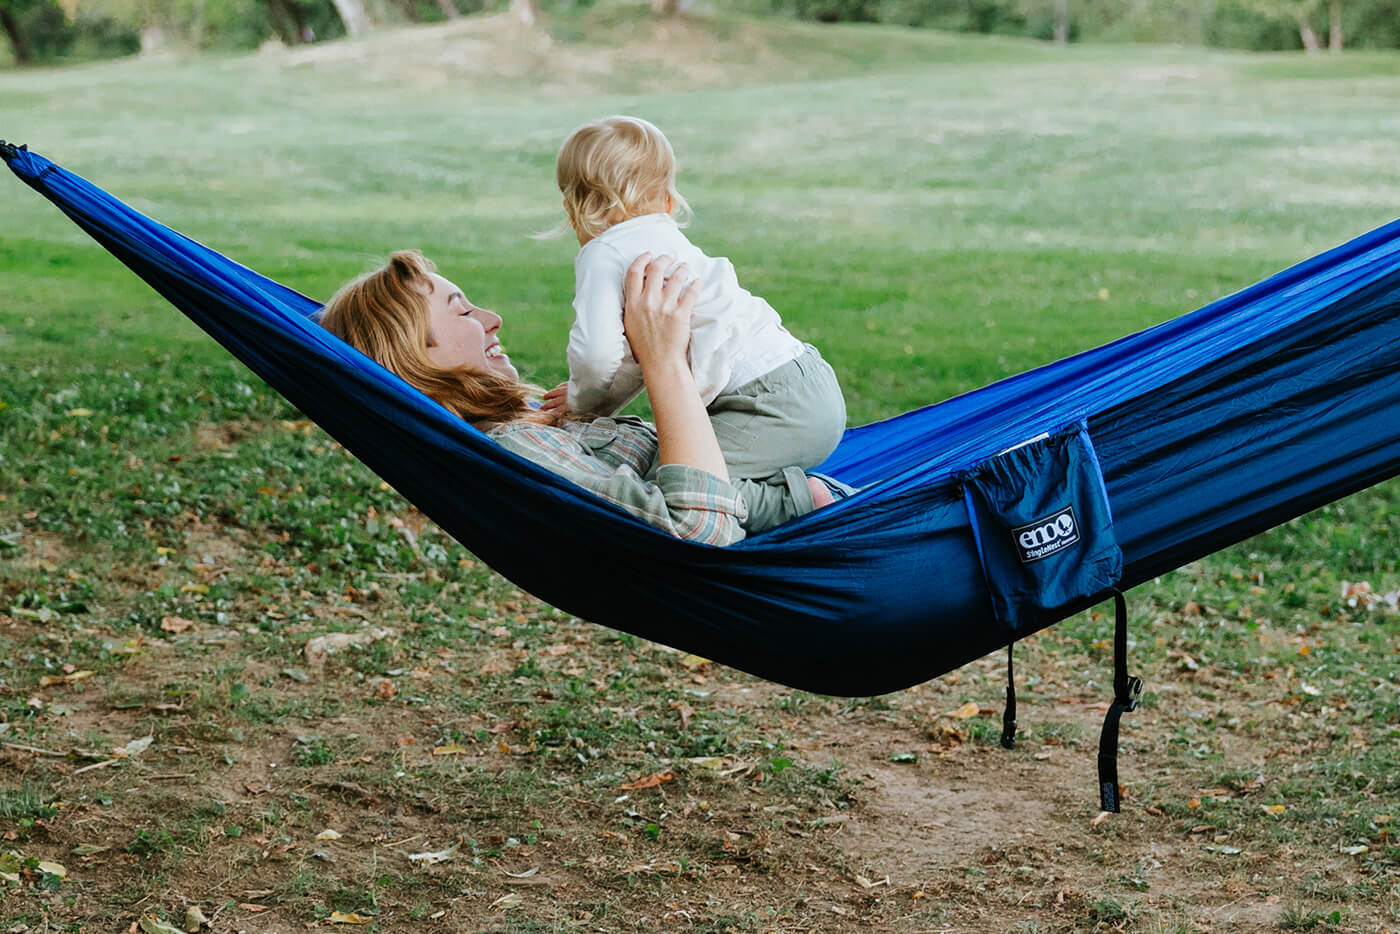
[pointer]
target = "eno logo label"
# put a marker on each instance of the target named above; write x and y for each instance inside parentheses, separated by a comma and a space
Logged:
(1046, 537)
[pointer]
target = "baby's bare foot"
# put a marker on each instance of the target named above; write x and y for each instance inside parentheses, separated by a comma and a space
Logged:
(820, 494)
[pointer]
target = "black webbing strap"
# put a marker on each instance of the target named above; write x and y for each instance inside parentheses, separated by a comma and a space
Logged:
(1008, 718)
(1126, 691)
(9, 150)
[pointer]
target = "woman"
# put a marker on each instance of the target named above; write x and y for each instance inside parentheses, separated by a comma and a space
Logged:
(422, 327)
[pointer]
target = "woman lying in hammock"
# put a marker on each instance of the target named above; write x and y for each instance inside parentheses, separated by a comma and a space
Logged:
(422, 327)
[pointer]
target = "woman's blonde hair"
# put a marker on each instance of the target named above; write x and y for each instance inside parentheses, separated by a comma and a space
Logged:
(615, 169)
(384, 315)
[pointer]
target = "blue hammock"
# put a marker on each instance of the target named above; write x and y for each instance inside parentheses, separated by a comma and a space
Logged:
(981, 519)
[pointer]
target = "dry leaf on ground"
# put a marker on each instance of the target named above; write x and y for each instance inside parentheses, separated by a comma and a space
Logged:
(651, 781)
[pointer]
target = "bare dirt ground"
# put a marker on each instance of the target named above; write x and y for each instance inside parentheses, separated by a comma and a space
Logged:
(455, 805)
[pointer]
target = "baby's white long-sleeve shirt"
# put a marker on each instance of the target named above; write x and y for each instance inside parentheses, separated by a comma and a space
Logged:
(735, 336)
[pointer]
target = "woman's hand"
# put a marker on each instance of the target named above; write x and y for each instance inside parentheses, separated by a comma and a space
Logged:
(657, 304)
(556, 400)
(656, 317)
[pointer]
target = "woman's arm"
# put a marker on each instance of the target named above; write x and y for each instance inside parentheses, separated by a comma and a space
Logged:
(656, 317)
(599, 456)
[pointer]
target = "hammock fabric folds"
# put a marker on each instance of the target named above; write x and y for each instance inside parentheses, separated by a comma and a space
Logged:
(1201, 431)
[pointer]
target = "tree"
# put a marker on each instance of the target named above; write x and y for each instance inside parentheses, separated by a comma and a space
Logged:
(1300, 12)
(353, 15)
(671, 7)
(10, 11)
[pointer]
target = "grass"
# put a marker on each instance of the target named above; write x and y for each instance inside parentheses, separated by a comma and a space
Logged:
(933, 211)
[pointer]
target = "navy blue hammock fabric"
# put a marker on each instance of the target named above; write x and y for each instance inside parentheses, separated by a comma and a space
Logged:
(981, 519)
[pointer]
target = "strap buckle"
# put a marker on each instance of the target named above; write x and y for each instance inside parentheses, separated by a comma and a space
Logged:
(1129, 700)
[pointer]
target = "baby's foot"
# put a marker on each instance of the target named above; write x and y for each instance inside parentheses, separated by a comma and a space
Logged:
(821, 494)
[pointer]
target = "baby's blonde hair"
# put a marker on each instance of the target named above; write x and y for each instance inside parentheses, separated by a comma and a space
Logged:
(614, 169)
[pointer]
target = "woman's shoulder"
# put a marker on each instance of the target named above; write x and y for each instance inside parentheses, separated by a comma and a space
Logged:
(590, 432)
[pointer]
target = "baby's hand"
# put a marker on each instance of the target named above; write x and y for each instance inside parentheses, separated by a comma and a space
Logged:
(556, 400)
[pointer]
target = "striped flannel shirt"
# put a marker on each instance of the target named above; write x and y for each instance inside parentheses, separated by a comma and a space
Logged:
(615, 458)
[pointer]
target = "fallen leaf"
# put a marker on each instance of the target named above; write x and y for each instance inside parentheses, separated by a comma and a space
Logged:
(194, 918)
(51, 680)
(451, 749)
(88, 849)
(386, 690)
(651, 781)
(508, 901)
(328, 834)
(80, 413)
(136, 746)
(1100, 819)
(150, 924)
(867, 884)
(53, 869)
(439, 856)
(1274, 809)
(1356, 850)
(966, 711)
(349, 917)
(320, 648)
(904, 757)
(708, 763)
(175, 624)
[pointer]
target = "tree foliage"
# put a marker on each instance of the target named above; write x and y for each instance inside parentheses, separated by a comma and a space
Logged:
(57, 30)
(1247, 24)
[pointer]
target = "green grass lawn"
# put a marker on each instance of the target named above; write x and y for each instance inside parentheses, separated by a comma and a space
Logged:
(935, 212)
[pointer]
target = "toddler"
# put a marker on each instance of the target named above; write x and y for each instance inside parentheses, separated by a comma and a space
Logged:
(773, 400)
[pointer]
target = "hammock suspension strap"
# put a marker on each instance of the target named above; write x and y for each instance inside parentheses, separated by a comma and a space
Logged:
(1126, 691)
(1008, 718)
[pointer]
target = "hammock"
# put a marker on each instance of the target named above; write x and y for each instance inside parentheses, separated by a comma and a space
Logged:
(1196, 433)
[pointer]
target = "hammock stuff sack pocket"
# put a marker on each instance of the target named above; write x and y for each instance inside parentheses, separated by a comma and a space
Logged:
(1044, 532)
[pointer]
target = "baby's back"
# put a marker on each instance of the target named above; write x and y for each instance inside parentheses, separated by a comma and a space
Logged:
(736, 336)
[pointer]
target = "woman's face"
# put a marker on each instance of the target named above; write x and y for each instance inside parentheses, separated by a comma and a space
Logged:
(463, 334)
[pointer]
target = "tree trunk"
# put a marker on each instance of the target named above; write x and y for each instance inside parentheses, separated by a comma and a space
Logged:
(449, 9)
(1305, 32)
(197, 27)
(526, 10)
(152, 39)
(1061, 22)
(1334, 25)
(286, 21)
(353, 15)
(11, 26)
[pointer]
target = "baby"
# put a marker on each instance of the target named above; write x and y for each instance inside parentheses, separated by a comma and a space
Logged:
(773, 400)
